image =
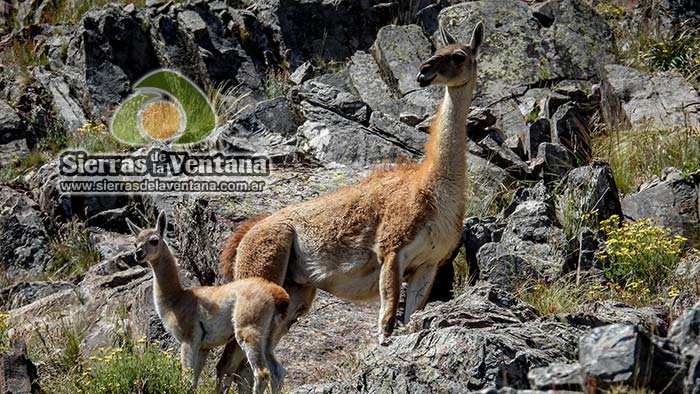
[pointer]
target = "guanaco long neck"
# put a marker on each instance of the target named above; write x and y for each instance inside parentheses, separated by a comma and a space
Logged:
(167, 287)
(445, 166)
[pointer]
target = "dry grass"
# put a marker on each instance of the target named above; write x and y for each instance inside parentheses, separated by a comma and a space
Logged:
(639, 155)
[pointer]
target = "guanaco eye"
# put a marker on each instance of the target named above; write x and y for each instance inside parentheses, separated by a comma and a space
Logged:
(153, 242)
(459, 57)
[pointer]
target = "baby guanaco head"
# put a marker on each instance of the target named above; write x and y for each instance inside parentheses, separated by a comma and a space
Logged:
(149, 244)
(454, 64)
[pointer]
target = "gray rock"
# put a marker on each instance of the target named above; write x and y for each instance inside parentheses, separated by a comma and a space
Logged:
(24, 243)
(670, 203)
(334, 95)
(399, 51)
(632, 98)
(407, 136)
(10, 124)
(302, 73)
(653, 319)
(557, 377)
(330, 137)
(367, 79)
(480, 339)
(477, 232)
(12, 151)
(66, 107)
(200, 249)
(569, 128)
(589, 189)
(502, 267)
(531, 234)
(667, 15)
(539, 132)
(19, 374)
(518, 52)
(195, 39)
(553, 160)
(488, 183)
(624, 354)
(328, 30)
(494, 149)
(111, 50)
(685, 331)
(268, 129)
(24, 293)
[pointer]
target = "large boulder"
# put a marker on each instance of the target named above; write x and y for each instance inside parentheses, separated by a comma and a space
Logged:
(198, 40)
(589, 196)
(330, 137)
(532, 234)
(519, 52)
(671, 202)
(111, 50)
(633, 98)
(621, 354)
(323, 29)
(24, 242)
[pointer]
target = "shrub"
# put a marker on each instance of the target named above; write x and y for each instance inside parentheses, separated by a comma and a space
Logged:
(639, 256)
(73, 251)
(144, 368)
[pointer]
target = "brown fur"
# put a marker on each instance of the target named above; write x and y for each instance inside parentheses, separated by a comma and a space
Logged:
(206, 317)
(228, 254)
(397, 224)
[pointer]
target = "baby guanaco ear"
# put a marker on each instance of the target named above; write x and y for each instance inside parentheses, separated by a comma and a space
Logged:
(136, 230)
(477, 38)
(162, 224)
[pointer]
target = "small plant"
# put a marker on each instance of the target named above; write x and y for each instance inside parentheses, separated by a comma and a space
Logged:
(94, 137)
(227, 101)
(73, 251)
(56, 349)
(4, 330)
(559, 296)
(610, 12)
(639, 255)
(20, 166)
(327, 66)
(276, 83)
(461, 270)
(20, 56)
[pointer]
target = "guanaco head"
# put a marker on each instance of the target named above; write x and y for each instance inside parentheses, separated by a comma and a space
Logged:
(454, 64)
(149, 243)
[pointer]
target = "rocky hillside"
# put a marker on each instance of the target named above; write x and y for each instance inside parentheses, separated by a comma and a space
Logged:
(577, 269)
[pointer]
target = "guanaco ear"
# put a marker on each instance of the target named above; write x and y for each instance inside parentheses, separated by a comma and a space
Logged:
(136, 230)
(162, 224)
(477, 38)
(446, 37)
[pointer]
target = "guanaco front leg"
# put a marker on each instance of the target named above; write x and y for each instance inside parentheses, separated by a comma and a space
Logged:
(389, 292)
(419, 284)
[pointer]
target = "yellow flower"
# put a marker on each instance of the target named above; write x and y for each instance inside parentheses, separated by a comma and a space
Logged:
(673, 292)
